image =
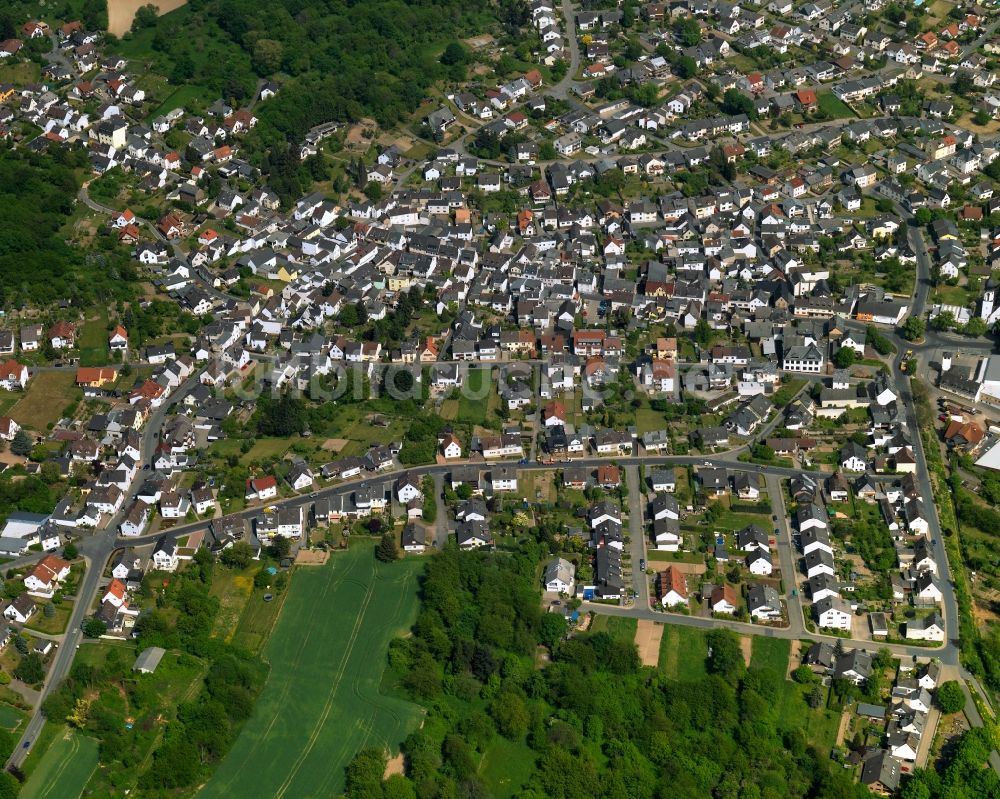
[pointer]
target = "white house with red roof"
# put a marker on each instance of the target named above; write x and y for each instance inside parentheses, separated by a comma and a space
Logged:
(8, 428)
(207, 236)
(123, 219)
(13, 375)
(262, 488)
(118, 340)
(115, 593)
(43, 580)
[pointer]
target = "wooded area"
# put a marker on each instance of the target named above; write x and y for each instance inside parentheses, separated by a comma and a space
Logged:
(37, 266)
(345, 60)
(591, 722)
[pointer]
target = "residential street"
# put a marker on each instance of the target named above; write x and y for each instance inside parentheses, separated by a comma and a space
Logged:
(96, 550)
(637, 533)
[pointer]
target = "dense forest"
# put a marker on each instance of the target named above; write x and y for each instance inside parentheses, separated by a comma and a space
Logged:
(342, 60)
(593, 722)
(37, 266)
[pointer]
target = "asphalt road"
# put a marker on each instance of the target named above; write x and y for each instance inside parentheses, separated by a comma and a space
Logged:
(378, 480)
(637, 533)
(563, 87)
(788, 558)
(96, 550)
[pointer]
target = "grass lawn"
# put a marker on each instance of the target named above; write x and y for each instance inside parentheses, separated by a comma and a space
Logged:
(472, 408)
(232, 588)
(356, 426)
(449, 410)
(95, 653)
(64, 769)
(646, 420)
(537, 487)
(10, 717)
(419, 151)
(788, 390)
(622, 627)
(322, 703)
(186, 97)
(263, 448)
(728, 520)
(48, 395)
(770, 653)
(93, 341)
(792, 713)
(177, 678)
(835, 107)
(20, 74)
(56, 625)
(951, 295)
(683, 652)
(939, 10)
(506, 767)
(663, 556)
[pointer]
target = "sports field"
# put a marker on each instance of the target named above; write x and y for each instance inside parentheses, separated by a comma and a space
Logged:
(64, 769)
(321, 703)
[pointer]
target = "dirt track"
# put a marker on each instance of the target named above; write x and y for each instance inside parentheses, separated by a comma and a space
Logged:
(311, 557)
(122, 12)
(746, 647)
(647, 638)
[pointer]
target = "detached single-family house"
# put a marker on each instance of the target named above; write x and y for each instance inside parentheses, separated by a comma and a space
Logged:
(672, 587)
(21, 609)
(45, 577)
(560, 576)
(261, 488)
(833, 613)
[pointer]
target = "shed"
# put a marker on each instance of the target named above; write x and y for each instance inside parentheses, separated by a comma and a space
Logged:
(149, 659)
(870, 711)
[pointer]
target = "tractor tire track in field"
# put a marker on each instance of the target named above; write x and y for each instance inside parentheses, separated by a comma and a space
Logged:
(389, 625)
(56, 779)
(328, 705)
(286, 689)
(346, 748)
(303, 738)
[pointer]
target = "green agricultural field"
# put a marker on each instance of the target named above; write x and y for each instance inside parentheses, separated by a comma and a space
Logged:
(321, 703)
(683, 652)
(770, 653)
(64, 769)
(472, 409)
